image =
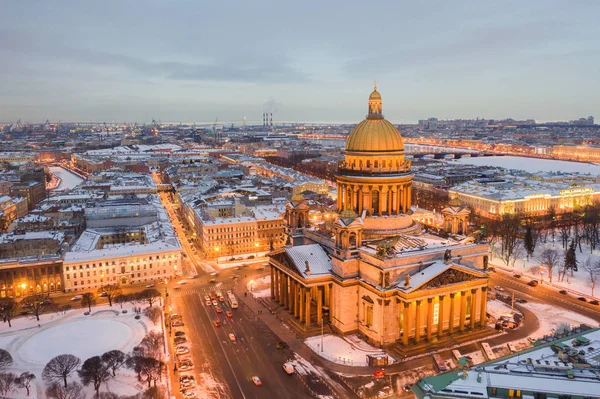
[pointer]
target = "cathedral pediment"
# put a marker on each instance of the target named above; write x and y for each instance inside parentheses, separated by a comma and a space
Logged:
(440, 274)
(450, 276)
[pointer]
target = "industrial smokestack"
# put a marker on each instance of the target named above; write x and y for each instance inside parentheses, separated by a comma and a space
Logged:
(264, 122)
(271, 119)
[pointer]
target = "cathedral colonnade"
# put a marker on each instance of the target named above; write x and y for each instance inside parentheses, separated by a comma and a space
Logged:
(308, 304)
(435, 316)
(385, 199)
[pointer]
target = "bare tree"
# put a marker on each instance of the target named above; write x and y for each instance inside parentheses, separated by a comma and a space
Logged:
(60, 367)
(550, 259)
(6, 359)
(150, 368)
(114, 359)
(24, 380)
(8, 309)
(154, 393)
(37, 303)
(88, 299)
(121, 299)
(152, 345)
(134, 298)
(7, 382)
(149, 295)
(111, 291)
(153, 314)
(517, 252)
(510, 225)
(94, 371)
(592, 271)
(72, 391)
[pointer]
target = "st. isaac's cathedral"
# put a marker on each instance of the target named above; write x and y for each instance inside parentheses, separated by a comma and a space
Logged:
(375, 269)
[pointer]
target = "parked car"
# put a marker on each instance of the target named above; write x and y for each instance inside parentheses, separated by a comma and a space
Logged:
(177, 323)
(189, 394)
(564, 292)
(582, 299)
(533, 283)
(186, 365)
(186, 382)
(521, 300)
(498, 288)
(179, 340)
(182, 350)
(288, 368)
(193, 276)
(594, 302)
(516, 275)
(281, 345)
(180, 333)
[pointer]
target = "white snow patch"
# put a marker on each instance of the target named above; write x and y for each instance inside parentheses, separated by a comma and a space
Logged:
(340, 351)
(68, 180)
(550, 317)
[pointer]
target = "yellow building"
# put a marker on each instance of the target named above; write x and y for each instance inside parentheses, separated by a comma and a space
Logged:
(578, 152)
(373, 270)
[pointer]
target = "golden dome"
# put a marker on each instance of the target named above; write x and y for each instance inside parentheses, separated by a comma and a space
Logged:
(375, 134)
(455, 202)
(375, 95)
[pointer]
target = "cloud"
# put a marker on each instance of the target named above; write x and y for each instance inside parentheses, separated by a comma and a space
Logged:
(257, 69)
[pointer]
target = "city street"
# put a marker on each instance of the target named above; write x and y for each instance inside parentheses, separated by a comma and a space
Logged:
(543, 294)
(232, 364)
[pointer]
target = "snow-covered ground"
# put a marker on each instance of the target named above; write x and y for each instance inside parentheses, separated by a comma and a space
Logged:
(338, 350)
(498, 308)
(74, 333)
(578, 282)
(68, 180)
(550, 317)
(260, 288)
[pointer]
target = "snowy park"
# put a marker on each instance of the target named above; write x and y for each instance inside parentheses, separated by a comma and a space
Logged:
(35, 345)
(260, 288)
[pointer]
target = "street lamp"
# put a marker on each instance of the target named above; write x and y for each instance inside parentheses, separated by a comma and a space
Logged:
(321, 333)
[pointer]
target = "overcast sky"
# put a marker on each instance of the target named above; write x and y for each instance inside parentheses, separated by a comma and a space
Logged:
(135, 60)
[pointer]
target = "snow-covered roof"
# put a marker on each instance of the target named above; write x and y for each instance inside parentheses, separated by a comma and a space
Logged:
(318, 261)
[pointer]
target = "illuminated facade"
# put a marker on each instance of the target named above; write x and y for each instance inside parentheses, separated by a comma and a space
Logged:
(373, 270)
(578, 152)
(492, 201)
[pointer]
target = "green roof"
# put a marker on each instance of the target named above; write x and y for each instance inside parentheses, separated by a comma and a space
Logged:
(439, 382)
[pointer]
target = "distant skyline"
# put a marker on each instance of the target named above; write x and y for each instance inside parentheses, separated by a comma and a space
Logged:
(193, 61)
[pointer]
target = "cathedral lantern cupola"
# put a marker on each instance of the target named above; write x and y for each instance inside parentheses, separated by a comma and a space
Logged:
(375, 111)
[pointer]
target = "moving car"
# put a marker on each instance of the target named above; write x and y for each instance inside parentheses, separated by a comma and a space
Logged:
(256, 381)
(208, 303)
(221, 299)
(207, 297)
(229, 313)
(214, 302)
(288, 368)
(150, 286)
(564, 292)
(212, 280)
(516, 275)
(182, 282)
(76, 298)
(498, 288)
(594, 302)
(281, 345)
(193, 276)
(582, 299)
(232, 337)
(218, 309)
(217, 323)
(103, 294)
(533, 283)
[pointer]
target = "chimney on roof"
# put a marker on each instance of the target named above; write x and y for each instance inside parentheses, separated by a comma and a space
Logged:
(407, 281)
(307, 270)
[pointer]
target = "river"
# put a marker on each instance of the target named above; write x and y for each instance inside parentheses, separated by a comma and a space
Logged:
(532, 165)
(68, 180)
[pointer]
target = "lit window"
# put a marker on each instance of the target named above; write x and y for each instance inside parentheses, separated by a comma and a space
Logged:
(436, 313)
